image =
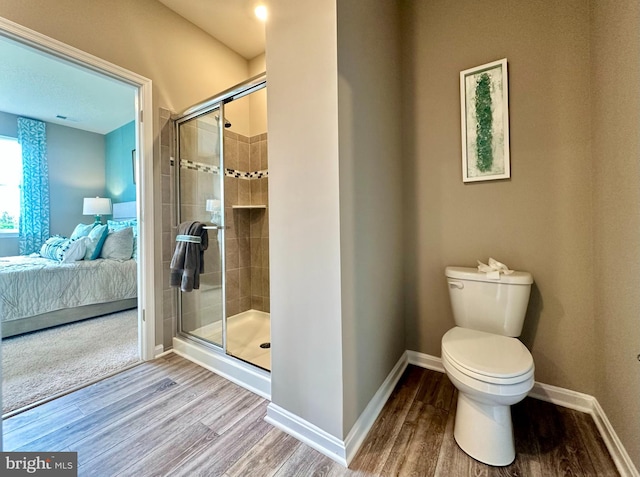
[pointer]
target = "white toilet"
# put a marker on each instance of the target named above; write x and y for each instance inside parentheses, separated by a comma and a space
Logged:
(486, 363)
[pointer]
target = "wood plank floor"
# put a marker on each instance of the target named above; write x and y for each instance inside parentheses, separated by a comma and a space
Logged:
(170, 417)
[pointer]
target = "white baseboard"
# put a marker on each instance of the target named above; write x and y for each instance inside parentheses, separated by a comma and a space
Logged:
(308, 433)
(158, 351)
(565, 398)
(340, 451)
(616, 449)
(368, 417)
(425, 361)
(165, 353)
(562, 397)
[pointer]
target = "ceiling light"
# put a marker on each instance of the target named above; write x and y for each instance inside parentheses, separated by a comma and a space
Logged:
(261, 12)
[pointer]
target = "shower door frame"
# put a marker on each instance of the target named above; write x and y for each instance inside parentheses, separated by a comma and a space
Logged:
(219, 106)
(207, 106)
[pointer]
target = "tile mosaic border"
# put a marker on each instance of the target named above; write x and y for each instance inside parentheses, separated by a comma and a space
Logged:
(246, 175)
(198, 166)
(201, 167)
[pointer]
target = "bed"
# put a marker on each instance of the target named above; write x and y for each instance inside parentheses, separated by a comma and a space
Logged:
(38, 293)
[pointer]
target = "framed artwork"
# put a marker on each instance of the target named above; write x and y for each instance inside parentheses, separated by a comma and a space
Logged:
(484, 104)
(133, 164)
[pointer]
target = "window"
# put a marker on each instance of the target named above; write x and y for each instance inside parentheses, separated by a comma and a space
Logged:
(10, 181)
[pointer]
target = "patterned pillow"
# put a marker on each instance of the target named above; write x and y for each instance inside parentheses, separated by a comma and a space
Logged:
(123, 224)
(94, 241)
(63, 249)
(119, 245)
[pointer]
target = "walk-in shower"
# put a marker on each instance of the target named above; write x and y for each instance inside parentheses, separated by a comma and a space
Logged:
(221, 180)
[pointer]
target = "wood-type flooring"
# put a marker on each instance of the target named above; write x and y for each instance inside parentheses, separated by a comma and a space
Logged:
(170, 417)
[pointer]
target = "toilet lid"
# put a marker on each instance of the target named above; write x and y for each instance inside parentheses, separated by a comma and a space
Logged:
(486, 354)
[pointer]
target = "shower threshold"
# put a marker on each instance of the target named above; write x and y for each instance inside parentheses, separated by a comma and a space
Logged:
(245, 331)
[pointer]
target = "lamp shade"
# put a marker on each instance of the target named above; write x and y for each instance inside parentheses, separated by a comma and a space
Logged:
(212, 205)
(96, 206)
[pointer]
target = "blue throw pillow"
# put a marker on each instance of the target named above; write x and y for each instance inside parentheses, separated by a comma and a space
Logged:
(81, 230)
(95, 241)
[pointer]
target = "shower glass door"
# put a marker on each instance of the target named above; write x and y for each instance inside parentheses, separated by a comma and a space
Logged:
(200, 193)
(248, 322)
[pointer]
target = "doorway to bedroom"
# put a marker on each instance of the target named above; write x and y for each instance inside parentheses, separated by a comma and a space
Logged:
(69, 263)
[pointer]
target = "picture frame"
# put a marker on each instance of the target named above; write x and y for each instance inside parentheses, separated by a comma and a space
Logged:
(484, 105)
(134, 166)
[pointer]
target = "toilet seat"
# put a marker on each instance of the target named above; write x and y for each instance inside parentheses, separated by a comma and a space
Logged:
(487, 357)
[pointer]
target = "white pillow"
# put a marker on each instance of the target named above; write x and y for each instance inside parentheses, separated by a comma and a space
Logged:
(63, 249)
(76, 250)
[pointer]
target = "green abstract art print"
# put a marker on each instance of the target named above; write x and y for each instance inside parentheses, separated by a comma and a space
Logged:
(485, 122)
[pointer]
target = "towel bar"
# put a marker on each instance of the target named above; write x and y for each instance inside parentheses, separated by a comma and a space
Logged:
(206, 227)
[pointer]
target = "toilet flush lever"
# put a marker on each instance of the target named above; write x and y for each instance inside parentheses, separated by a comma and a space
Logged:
(458, 285)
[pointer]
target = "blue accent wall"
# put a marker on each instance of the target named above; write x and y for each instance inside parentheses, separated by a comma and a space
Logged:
(118, 164)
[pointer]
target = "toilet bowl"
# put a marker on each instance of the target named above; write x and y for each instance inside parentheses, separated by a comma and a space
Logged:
(485, 361)
(491, 372)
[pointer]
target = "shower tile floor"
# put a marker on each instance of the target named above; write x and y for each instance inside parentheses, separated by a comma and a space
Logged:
(246, 331)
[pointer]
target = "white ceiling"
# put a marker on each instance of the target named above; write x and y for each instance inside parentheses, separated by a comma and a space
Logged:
(232, 22)
(37, 85)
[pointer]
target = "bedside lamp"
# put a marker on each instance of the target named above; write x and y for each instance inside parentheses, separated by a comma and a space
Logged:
(97, 206)
(213, 206)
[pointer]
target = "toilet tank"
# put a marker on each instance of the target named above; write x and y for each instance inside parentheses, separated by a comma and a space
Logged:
(494, 306)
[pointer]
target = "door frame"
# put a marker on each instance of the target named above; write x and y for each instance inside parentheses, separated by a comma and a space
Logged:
(144, 152)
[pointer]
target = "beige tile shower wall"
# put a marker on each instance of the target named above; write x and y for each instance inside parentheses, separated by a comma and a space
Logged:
(198, 143)
(259, 229)
(247, 242)
(237, 256)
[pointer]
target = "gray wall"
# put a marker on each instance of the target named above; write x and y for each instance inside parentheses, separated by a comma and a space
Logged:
(371, 209)
(304, 213)
(76, 170)
(336, 268)
(615, 119)
(540, 220)
(570, 212)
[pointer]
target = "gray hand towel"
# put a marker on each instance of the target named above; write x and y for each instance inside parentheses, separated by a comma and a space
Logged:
(188, 259)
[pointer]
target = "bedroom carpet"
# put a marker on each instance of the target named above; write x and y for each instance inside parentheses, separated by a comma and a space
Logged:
(40, 364)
